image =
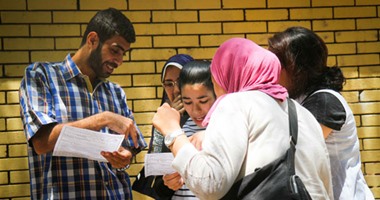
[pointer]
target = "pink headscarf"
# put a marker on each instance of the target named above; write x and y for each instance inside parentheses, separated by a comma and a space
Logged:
(241, 65)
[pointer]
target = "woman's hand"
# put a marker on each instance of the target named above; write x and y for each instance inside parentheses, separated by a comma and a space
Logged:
(174, 181)
(178, 105)
(166, 119)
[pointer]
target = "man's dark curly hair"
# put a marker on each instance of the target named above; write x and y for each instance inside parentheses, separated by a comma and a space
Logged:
(108, 23)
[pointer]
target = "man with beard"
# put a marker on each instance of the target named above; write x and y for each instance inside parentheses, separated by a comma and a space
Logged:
(75, 92)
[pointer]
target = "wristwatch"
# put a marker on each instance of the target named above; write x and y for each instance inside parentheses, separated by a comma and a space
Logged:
(170, 138)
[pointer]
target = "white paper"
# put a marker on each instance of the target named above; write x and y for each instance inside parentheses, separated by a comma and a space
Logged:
(84, 143)
(158, 164)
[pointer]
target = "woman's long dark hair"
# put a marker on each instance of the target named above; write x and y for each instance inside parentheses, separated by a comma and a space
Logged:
(303, 55)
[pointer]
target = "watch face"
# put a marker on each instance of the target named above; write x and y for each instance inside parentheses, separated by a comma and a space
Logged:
(169, 140)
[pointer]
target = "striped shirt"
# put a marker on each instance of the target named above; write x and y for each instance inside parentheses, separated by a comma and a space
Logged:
(184, 192)
(60, 93)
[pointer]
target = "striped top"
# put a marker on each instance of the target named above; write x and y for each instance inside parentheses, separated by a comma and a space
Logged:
(60, 93)
(184, 192)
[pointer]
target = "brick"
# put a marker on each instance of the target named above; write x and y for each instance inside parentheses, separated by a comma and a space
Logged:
(14, 30)
(14, 57)
(72, 16)
(371, 144)
(354, 12)
(372, 168)
(144, 118)
(152, 54)
(3, 178)
(20, 176)
(368, 132)
(341, 48)
(49, 56)
(146, 105)
(2, 98)
(140, 157)
(10, 83)
(140, 93)
(134, 169)
(52, 4)
(288, 3)
(260, 39)
(123, 81)
(151, 4)
(367, 2)
(372, 71)
(154, 29)
(14, 124)
(327, 37)
(368, 47)
(18, 150)
(373, 180)
(15, 190)
(13, 163)
(365, 107)
(216, 40)
(146, 80)
(311, 13)
(15, 5)
(9, 110)
(354, 36)
(197, 4)
(351, 97)
(199, 28)
(146, 130)
(331, 61)
(25, 17)
(350, 72)
(324, 3)
(267, 14)
(176, 41)
(371, 23)
(100, 4)
(199, 53)
(369, 156)
(243, 4)
(14, 70)
(28, 43)
(281, 26)
(221, 15)
(175, 16)
(3, 151)
(244, 27)
(333, 25)
(355, 60)
(55, 30)
(376, 192)
(2, 125)
(370, 95)
(142, 41)
(371, 120)
(138, 16)
(68, 43)
(15, 137)
(135, 68)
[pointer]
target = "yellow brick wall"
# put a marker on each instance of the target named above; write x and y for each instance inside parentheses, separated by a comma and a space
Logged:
(46, 30)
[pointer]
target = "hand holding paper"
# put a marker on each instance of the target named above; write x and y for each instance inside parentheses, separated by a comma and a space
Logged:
(84, 143)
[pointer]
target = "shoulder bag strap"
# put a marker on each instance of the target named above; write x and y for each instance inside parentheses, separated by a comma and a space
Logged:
(293, 132)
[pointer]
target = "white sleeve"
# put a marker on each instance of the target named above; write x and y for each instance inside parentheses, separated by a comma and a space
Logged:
(211, 172)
